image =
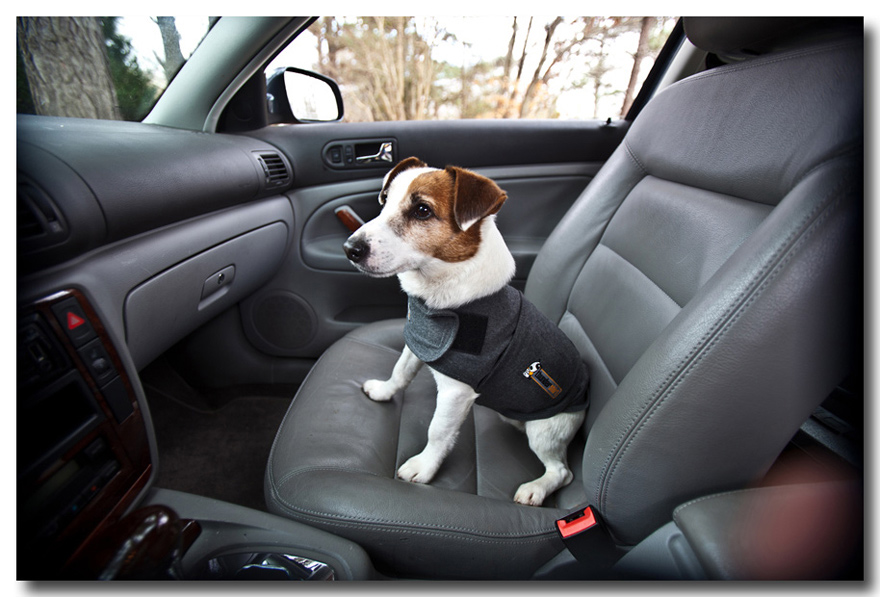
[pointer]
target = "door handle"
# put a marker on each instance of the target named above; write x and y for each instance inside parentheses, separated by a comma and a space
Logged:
(360, 153)
(385, 154)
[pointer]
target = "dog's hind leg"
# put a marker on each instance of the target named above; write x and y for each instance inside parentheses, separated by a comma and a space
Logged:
(404, 371)
(454, 402)
(549, 439)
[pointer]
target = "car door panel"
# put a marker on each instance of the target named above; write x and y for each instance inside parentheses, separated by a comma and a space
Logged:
(466, 143)
(317, 295)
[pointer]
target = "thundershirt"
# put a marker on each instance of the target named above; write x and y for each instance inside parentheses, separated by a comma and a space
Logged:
(520, 363)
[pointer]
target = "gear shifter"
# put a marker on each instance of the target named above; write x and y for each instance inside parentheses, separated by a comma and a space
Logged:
(148, 544)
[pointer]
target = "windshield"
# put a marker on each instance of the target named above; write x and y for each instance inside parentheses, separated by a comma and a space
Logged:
(101, 67)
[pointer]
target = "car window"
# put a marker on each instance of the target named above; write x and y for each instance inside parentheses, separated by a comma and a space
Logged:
(426, 68)
(101, 67)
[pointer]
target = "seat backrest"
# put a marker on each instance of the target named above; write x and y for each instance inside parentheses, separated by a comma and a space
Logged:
(710, 273)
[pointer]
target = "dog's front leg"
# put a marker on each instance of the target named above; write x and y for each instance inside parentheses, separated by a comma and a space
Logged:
(454, 401)
(404, 371)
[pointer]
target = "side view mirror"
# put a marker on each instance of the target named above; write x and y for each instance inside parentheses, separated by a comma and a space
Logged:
(296, 95)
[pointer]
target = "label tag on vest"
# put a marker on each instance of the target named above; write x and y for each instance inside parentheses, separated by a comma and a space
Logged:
(538, 375)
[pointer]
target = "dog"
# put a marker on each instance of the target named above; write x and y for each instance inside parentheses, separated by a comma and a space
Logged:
(483, 342)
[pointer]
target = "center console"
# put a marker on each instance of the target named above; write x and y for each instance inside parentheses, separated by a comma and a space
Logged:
(83, 455)
(86, 508)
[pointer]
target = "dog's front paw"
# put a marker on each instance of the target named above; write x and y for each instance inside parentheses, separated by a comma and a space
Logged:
(530, 494)
(378, 390)
(418, 469)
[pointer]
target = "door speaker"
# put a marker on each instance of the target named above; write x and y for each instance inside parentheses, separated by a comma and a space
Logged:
(283, 321)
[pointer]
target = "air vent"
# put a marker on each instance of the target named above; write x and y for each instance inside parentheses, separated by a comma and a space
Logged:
(274, 169)
(38, 221)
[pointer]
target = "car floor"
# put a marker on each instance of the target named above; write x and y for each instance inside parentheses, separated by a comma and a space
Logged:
(213, 443)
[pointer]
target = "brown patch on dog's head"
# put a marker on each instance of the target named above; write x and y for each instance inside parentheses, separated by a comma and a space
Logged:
(442, 207)
(411, 162)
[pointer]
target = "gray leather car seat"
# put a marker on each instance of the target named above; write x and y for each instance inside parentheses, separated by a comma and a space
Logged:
(709, 276)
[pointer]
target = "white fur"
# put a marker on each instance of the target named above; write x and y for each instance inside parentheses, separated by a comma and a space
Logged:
(389, 254)
(444, 285)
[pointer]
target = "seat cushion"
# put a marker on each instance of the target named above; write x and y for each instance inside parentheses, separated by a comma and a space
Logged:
(334, 461)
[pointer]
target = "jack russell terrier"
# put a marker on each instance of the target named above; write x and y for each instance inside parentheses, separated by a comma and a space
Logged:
(483, 342)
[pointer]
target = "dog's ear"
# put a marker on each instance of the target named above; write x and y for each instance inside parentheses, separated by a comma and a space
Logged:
(411, 162)
(474, 196)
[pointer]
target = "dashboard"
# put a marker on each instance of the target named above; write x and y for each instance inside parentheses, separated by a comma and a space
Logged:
(129, 237)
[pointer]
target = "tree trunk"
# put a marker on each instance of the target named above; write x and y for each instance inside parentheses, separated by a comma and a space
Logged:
(171, 42)
(641, 52)
(80, 85)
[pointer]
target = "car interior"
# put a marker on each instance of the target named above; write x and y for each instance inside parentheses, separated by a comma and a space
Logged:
(192, 339)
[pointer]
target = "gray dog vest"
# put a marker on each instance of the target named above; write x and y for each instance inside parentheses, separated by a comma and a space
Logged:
(521, 364)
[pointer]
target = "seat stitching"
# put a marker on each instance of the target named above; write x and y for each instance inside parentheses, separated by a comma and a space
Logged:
(654, 408)
(846, 151)
(687, 364)
(631, 153)
(310, 469)
(697, 346)
(757, 63)
(476, 458)
(373, 345)
(397, 455)
(365, 521)
(602, 362)
(535, 539)
(465, 534)
(676, 513)
(639, 270)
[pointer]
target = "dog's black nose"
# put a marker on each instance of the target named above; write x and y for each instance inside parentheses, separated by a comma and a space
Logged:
(356, 250)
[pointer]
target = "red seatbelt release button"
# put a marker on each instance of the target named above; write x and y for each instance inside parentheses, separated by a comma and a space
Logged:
(576, 523)
(584, 534)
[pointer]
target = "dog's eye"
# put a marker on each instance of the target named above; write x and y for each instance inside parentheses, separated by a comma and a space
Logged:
(422, 212)
(383, 197)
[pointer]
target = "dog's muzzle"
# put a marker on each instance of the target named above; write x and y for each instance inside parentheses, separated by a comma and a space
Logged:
(356, 250)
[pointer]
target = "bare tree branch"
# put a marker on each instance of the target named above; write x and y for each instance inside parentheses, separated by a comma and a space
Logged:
(641, 51)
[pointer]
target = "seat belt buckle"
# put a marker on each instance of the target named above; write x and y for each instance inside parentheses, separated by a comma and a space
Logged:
(585, 535)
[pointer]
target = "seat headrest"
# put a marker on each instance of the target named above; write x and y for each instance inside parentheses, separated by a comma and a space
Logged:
(741, 37)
